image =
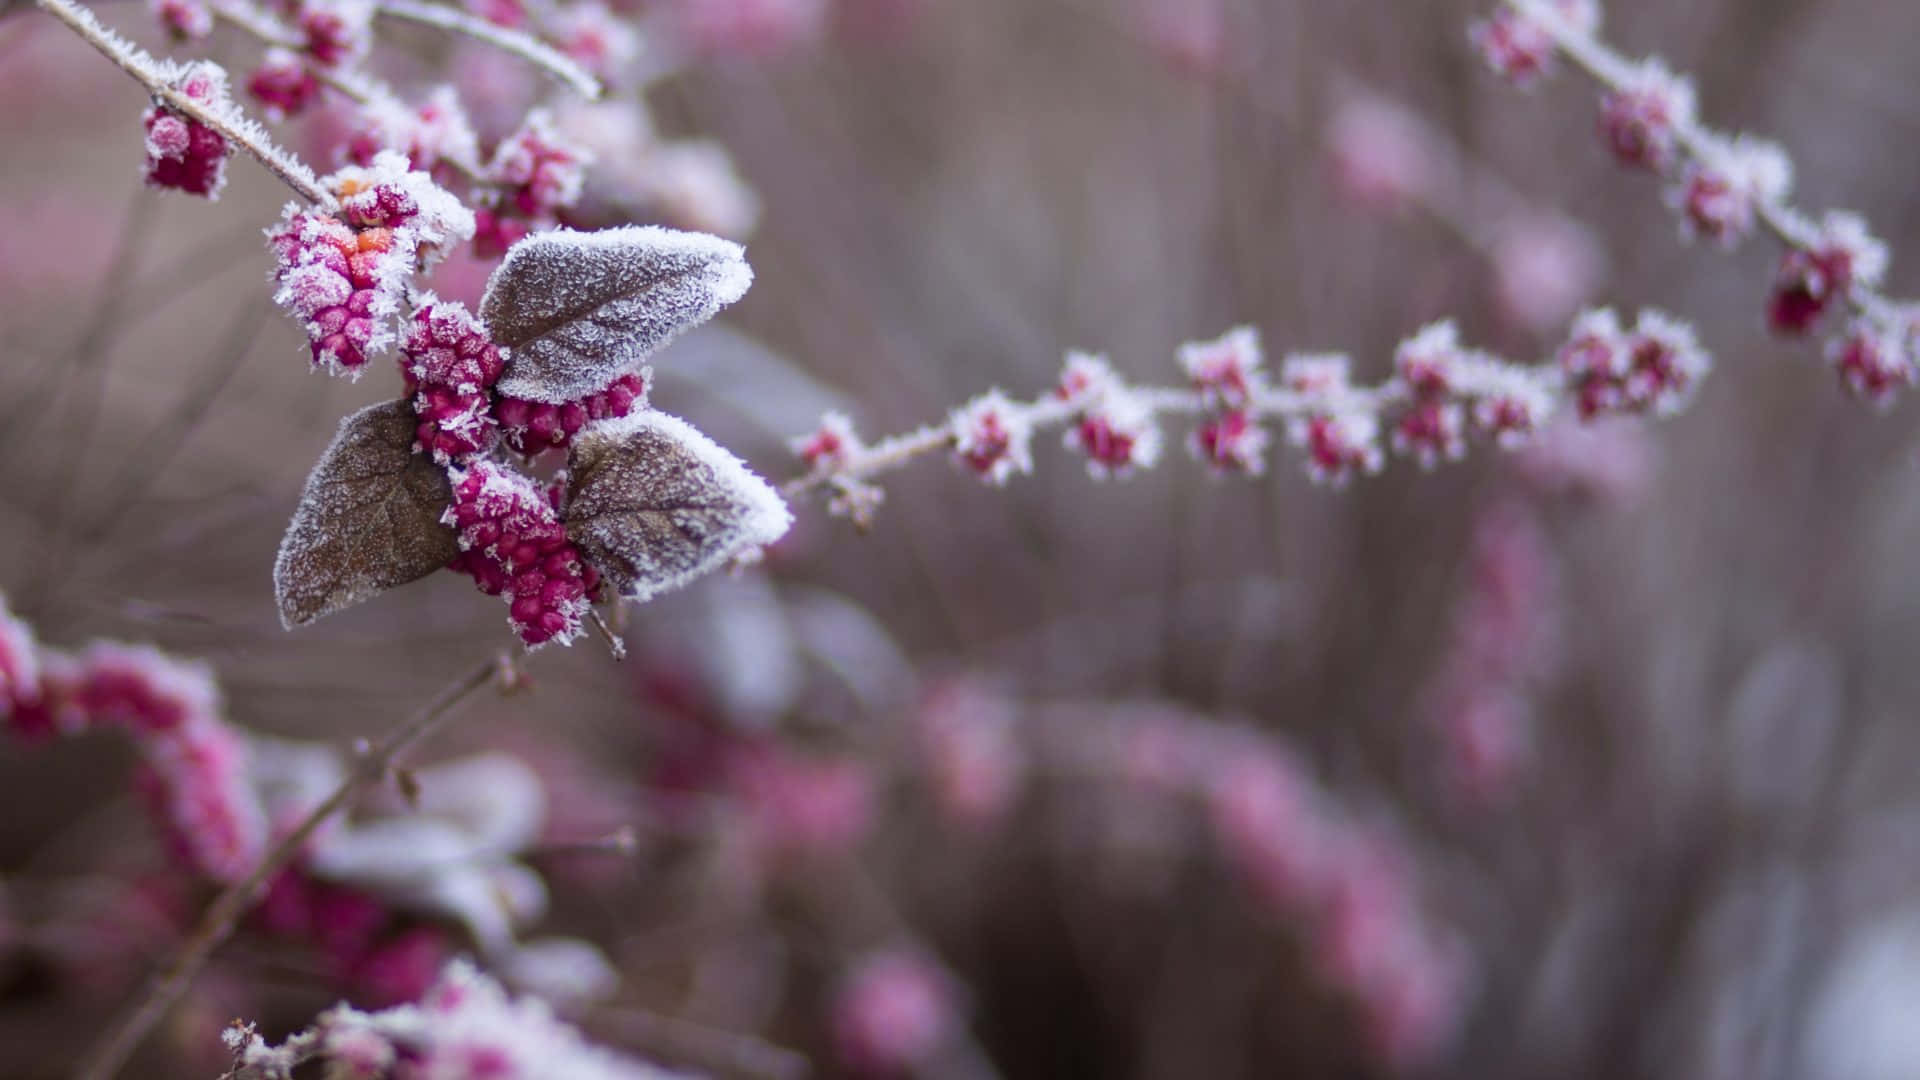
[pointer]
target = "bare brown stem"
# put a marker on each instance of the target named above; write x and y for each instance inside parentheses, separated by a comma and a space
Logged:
(110, 1054)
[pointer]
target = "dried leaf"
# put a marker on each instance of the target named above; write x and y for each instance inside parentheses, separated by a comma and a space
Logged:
(655, 504)
(575, 310)
(368, 521)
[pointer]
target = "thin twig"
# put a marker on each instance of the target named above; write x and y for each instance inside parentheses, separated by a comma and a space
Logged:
(863, 463)
(148, 72)
(1615, 72)
(167, 986)
(530, 49)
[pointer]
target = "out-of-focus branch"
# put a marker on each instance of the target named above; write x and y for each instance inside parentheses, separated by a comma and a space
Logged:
(167, 986)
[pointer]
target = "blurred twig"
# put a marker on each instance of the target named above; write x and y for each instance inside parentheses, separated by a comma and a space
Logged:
(110, 1054)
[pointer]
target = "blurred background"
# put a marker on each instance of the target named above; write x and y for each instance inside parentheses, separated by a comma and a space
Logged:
(1593, 759)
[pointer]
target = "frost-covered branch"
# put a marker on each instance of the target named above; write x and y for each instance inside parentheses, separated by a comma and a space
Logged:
(1440, 391)
(193, 93)
(453, 20)
(1723, 186)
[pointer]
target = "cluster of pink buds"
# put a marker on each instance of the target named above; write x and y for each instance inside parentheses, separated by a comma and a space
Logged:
(532, 427)
(361, 941)
(344, 276)
(184, 153)
(1226, 372)
(1112, 423)
(450, 365)
(434, 132)
(1339, 431)
(975, 764)
(993, 437)
(283, 84)
(799, 806)
(1653, 368)
(1722, 187)
(832, 444)
(594, 35)
(1503, 644)
(183, 20)
(1518, 47)
(1345, 886)
(534, 174)
(513, 544)
(335, 33)
(194, 766)
(894, 1013)
(1642, 120)
(1838, 257)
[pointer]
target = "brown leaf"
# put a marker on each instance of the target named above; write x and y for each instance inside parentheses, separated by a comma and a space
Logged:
(368, 521)
(575, 310)
(654, 503)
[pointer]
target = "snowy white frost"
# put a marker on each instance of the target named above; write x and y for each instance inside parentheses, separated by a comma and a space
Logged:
(575, 310)
(654, 503)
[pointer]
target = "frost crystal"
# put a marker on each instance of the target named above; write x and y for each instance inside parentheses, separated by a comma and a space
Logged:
(654, 503)
(576, 310)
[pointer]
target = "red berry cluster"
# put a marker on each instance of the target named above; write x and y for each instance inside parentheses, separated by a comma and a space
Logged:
(1653, 368)
(450, 365)
(341, 283)
(536, 174)
(533, 426)
(183, 153)
(512, 543)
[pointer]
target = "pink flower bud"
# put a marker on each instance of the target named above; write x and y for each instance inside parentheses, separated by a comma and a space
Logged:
(1717, 195)
(1642, 119)
(1519, 49)
(1226, 370)
(1231, 442)
(1841, 255)
(1339, 445)
(992, 437)
(1871, 362)
(830, 445)
(283, 84)
(183, 20)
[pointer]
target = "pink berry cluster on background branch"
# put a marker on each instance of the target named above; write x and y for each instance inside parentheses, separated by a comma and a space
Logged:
(1723, 187)
(251, 815)
(1439, 393)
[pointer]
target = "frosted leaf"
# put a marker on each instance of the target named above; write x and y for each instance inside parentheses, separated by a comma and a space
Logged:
(575, 310)
(655, 504)
(369, 519)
